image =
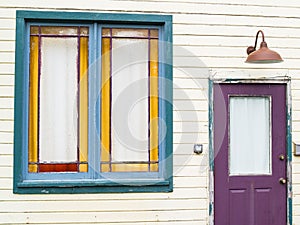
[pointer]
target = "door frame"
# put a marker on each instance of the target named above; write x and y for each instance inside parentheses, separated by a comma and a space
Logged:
(276, 80)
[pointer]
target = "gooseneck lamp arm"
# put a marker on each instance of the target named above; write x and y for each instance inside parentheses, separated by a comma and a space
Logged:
(251, 49)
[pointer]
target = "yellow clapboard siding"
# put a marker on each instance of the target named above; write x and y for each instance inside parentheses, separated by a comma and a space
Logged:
(7, 46)
(7, 35)
(209, 7)
(7, 68)
(189, 160)
(6, 138)
(104, 217)
(6, 149)
(6, 125)
(7, 80)
(7, 57)
(6, 103)
(110, 205)
(6, 160)
(190, 222)
(178, 193)
(6, 171)
(5, 184)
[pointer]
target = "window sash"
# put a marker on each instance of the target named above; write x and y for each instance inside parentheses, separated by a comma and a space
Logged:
(94, 156)
(42, 38)
(111, 159)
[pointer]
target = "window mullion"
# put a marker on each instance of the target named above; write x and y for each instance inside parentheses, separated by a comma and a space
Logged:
(94, 129)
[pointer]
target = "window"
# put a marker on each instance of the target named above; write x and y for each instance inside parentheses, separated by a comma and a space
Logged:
(93, 104)
(250, 135)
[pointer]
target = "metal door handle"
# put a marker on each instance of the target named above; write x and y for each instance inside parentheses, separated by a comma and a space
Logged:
(281, 157)
(282, 181)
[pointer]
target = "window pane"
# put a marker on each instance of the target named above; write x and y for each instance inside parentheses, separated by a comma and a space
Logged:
(58, 100)
(106, 32)
(250, 148)
(130, 33)
(118, 32)
(59, 30)
(84, 31)
(129, 117)
(34, 30)
(154, 33)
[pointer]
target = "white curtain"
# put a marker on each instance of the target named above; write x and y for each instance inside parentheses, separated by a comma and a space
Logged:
(129, 101)
(58, 100)
(249, 136)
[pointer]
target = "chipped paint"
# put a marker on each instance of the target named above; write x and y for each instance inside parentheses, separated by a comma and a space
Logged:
(211, 152)
(289, 153)
(263, 80)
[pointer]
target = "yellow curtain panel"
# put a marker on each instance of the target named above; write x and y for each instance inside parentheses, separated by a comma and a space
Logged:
(105, 105)
(33, 105)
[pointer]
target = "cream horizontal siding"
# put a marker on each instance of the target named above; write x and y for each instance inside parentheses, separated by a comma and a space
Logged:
(208, 7)
(210, 39)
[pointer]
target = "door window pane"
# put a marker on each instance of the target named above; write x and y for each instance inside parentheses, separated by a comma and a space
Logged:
(249, 130)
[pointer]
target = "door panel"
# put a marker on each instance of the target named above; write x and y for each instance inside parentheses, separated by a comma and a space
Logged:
(262, 205)
(238, 207)
(249, 137)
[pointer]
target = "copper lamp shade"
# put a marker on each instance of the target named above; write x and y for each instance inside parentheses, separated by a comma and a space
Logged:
(263, 54)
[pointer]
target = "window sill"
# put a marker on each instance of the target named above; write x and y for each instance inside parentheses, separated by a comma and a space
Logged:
(88, 186)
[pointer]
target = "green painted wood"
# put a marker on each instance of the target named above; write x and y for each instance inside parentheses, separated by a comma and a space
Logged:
(168, 41)
(80, 187)
(18, 115)
(94, 189)
(88, 183)
(99, 17)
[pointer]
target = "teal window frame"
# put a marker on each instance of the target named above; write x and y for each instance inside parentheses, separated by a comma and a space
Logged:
(92, 182)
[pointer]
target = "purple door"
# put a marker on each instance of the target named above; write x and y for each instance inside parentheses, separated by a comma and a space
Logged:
(250, 154)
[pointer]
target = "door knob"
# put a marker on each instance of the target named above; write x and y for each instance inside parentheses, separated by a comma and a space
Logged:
(282, 181)
(281, 157)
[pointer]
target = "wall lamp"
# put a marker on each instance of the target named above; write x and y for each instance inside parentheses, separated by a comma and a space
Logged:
(263, 54)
